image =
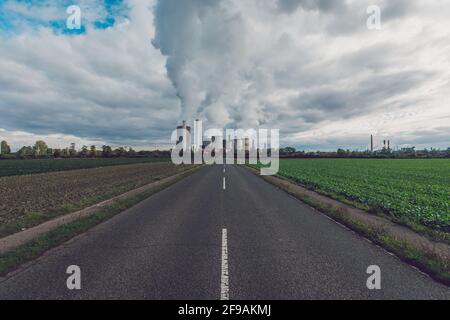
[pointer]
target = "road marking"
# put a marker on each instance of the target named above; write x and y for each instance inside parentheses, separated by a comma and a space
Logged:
(224, 290)
(223, 169)
(224, 184)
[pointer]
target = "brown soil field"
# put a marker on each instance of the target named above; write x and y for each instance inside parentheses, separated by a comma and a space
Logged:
(28, 200)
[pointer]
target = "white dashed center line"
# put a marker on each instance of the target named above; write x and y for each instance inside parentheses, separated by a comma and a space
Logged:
(224, 290)
(224, 184)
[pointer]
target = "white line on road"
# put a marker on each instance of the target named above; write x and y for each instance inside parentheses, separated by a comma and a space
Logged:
(224, 185)
(224, 290)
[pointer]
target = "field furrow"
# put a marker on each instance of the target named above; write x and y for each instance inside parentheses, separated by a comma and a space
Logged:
(31, 199)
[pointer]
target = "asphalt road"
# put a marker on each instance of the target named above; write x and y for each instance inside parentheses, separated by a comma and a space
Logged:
(219, 235)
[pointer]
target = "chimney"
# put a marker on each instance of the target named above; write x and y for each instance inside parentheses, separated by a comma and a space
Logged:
(371, 143)
(198, 134)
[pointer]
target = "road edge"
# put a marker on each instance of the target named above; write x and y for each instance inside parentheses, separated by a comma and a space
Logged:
(22, 247)
(429, 256)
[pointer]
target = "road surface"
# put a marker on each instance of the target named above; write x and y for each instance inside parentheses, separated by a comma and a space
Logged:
(221, 233)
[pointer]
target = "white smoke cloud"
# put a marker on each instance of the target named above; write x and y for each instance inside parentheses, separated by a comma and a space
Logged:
(302, 65)
(208, 56)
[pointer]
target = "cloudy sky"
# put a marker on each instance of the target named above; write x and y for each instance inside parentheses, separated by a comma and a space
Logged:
(311, 68)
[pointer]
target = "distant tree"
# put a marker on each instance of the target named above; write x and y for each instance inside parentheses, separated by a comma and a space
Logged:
(341, 152)
(40, 148)
(120, 152)
(25, 152)
(131, 152)
(287, 151)
(93, 152)
(5, 149)
(57, 153)
(65, 153)
(72, 150)
(84, 152)
(106, 151)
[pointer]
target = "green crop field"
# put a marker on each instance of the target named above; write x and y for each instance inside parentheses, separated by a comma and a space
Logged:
(22, 167)
(410, 190)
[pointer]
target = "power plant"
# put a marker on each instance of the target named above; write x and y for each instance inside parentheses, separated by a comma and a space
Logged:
(200, 142)
(386, 145)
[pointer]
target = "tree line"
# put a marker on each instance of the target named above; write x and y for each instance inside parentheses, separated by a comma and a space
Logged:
(40, 149)
(385, 153)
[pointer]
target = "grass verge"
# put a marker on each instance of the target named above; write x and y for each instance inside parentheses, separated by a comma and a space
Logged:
(436, 235)
(35, 248)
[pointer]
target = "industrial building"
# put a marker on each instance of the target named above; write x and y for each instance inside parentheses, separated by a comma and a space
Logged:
(386, 145)
(184, 136)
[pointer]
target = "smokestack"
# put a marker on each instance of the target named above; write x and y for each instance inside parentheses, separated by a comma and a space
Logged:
(389, 144)
(198, 134)
(371, 143)
(384, 144)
